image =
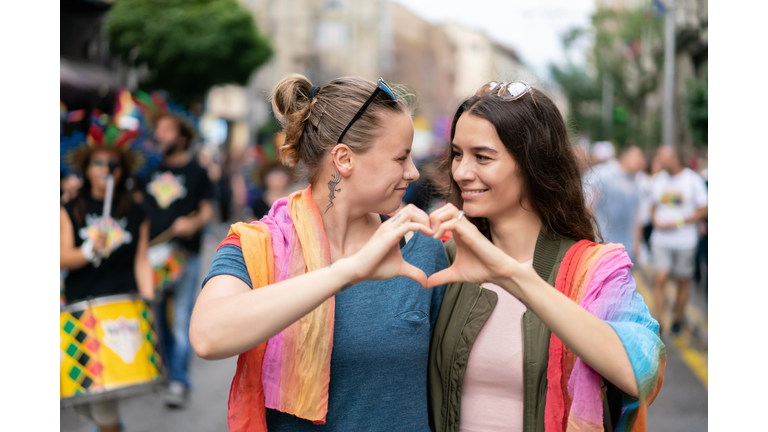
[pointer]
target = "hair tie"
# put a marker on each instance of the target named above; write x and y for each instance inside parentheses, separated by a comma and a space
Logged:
(313, 92)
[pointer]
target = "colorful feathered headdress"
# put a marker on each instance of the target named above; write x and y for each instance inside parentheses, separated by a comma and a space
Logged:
(119, 134)
(154, 106)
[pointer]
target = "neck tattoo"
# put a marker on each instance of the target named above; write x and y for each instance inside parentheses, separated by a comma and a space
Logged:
(335, 180)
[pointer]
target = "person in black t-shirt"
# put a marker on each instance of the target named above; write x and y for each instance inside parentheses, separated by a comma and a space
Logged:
(177, 196)
(119, 242)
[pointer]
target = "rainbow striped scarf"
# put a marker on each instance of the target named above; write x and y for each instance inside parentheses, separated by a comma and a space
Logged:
(291, 371)
(599, 278)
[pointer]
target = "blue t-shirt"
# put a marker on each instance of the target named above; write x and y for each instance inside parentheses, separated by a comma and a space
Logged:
(380, 347)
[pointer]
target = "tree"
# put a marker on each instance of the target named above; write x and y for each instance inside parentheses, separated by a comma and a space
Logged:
(187, 46)
(625, 58)
(697, 110)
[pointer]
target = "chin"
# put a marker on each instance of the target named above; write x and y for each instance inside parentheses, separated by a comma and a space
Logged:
(473, 210)
(388, 205)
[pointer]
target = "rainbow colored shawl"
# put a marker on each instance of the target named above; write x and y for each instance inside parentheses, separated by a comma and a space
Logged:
(599, 278)
(291, 371)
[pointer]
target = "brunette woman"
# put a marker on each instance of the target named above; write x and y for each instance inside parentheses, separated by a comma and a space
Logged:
(539, 319)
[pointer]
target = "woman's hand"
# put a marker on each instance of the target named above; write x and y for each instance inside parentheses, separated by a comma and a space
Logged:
(100, 244)
(477, 259)
(380, 258)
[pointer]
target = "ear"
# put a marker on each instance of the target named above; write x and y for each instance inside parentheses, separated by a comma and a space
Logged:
(341, 155)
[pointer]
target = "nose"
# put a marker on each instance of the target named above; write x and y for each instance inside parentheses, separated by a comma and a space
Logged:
(462, 170)
(411, 173)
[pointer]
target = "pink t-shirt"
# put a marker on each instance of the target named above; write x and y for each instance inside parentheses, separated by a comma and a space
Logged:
(492, 392)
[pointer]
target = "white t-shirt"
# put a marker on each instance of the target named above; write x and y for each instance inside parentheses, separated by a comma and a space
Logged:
(645, 187)
(675, 197)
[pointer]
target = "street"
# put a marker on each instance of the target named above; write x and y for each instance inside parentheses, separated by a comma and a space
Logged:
(681, 406)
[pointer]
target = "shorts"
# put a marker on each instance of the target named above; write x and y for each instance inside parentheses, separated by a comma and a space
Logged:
(678, 262)
(102, 413)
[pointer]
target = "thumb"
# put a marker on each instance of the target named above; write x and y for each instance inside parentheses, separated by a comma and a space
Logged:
(412, 272)
(443, 277)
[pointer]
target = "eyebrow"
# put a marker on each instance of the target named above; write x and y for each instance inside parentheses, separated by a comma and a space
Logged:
(478, 148)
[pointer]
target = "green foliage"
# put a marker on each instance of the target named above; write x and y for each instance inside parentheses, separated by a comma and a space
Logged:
(697, 110)
(188, 46)
(627, 51)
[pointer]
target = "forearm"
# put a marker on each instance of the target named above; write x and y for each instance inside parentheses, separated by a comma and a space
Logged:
(144, 278)
(72, 259)
(590, 338)
(226, 325)
(701, 213)
(203, 216)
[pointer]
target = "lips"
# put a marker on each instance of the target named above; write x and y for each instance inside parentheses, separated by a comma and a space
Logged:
(472, 193)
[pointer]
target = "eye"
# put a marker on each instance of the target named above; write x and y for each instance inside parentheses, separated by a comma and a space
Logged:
(455, 154)
(402, 159)
(482, 158)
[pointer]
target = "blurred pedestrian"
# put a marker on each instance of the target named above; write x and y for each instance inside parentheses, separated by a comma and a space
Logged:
(424, 193)
(644, 180)
(104, 255)
(278, 181)
(616, 198)
(702, 250)
(680, 201)
(177, 195)
(600, 157)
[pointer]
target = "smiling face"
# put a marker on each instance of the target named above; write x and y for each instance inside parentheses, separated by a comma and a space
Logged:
(489, 178)
(381, 175)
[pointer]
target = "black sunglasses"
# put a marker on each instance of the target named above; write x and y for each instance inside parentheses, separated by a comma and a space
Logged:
(382, 87)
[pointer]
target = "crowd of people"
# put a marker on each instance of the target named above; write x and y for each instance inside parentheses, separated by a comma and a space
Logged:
(657, 209)
(367, 295)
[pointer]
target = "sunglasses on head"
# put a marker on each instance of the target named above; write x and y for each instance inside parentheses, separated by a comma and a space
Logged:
(508, 91)
(381, 87)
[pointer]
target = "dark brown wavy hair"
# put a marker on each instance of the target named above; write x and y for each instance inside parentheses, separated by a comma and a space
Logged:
(533, 131)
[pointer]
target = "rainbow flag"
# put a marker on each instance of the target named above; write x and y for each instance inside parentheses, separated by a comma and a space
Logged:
(292, 370)
(599, 278)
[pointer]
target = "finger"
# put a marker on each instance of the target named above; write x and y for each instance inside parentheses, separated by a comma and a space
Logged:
(401, 229)
(443, 277)
(442, 227)
(445, 207)
(440, 215)
(414, 273)
(410, 213)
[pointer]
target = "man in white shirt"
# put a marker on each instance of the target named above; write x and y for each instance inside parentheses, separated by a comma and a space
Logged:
(680, 200)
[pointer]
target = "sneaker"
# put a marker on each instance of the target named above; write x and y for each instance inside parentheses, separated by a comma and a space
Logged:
(176, 395)
(676, 327)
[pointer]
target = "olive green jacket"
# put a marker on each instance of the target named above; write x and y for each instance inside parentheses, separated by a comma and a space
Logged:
(465, 309)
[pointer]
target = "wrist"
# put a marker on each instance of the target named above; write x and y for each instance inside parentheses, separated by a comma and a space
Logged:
(521, 277)
(346, 272)
(87, 250)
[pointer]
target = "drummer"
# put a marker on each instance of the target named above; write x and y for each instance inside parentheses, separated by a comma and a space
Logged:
(105, 255)
(177, 196)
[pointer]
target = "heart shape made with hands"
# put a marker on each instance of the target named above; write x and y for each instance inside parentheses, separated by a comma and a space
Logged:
(477, 259)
